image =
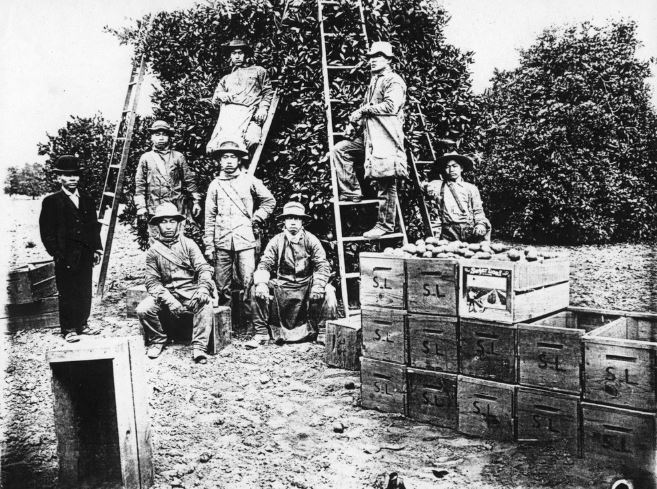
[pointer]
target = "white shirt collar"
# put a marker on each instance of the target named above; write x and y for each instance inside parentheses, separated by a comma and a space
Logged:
(74, 194)
(294, 239)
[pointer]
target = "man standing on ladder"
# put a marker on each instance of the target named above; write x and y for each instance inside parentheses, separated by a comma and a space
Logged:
(376, 132)
(244, 96)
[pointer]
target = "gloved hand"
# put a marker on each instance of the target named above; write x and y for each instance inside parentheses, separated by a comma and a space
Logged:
(97, 256)
(350, 131)
(356, 116)
(209, 254)
(260, 115)
(220, 97)
(256, 220)
(262, 291)
(176, 308)
(198, 300)
(196, 209)
(479, 230)
(317, 294)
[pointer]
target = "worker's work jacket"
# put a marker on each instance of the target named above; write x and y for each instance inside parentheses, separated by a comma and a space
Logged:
(230, 206)
(469, 208)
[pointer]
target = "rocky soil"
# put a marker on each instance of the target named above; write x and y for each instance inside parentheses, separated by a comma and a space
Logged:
(278, 417)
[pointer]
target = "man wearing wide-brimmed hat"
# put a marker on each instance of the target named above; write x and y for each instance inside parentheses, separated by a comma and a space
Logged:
(235, 203)
(460, 209)
(178, 280)
(376, 134)
(70, 233)
(164, 176)
(296, 304)
(243, 97)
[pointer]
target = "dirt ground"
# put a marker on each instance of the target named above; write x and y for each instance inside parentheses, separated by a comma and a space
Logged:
(264, 418)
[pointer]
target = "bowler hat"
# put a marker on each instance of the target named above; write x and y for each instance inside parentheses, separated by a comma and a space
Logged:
(215, 148)
(381, 47)
(465, 161)
(238, 44)
(294, 209)
(167, 209)
(67, 165)
(161, 126)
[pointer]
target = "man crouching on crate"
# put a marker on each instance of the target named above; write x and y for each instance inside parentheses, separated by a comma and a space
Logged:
(178, 280)
(295, 305)
(460, 209)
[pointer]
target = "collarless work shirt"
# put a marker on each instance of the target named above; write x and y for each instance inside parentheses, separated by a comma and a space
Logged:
(249, 85)
(467, 195)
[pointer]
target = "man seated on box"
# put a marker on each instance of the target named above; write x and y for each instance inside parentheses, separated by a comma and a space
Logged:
(179, 282)
(296, 304)
(460, 210)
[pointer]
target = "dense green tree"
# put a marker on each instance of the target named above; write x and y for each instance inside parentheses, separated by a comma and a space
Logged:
(570, 140)
(30, 180)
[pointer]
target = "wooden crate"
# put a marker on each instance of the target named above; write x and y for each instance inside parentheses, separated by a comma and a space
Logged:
(382, 280)
(383, 385)
(431, 285)
(486, 408)
(512, 292)
(433, 342)
(548, 416)
(550, 353)
(31, 282)
(220, 336)
(619, 436)
(133, 296)
(40, 314)
(385, 335)
(344, 339)
(488, 350)
(432, 397)
(101, 414)
(620, 360)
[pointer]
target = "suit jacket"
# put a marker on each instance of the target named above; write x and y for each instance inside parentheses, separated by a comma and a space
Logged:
(68, 231)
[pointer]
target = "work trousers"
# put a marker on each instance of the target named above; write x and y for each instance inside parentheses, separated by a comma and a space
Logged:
(74, 287)
(150, 314)
(345, 155)
(235, 268)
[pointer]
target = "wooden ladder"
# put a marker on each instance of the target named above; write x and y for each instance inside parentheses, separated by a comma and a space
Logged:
(334, 69)
(255, 159)
(108, 207)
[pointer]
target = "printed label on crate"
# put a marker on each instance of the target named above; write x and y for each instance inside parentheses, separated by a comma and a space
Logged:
(486, 288)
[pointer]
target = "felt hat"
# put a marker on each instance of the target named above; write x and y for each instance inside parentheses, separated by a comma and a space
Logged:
(161, 126)
(294, 209)
(217, 148)
(238, 44)
(381, 47)
(67, 165)
(167, 209)
(466, 162)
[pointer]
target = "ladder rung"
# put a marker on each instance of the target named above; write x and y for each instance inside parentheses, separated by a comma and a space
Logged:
(352, 275)
(338, 133)
(342, 67)
(360, 202)
(116, 165)
(109, 194)
(424, 162)
(361, 238)
(331, 34)
(329, 2)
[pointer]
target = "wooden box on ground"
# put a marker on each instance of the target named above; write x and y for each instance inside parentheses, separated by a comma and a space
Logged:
(31, 282)
(383, 385)
(547, 416)
(620, 436)
(431, 285)
(101, 416)
(43, 313)
(343, 343)
(620, 360)
(385, 335)
(220, 336)
(133, 296)
(382, 280)
(432, 397)
(433, 342)
(550, 349)
(488, 350)
(486, 408)
(512, 292)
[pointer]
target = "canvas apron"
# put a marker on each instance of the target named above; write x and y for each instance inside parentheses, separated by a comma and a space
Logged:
(232, 123)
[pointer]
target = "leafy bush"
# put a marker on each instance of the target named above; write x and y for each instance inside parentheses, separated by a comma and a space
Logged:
(570, 140)
(29, 180)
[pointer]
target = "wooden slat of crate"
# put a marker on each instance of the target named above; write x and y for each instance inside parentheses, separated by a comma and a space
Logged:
(548, 416)
(433, 342)
(619, 363)
(382, 281)
(133, 296)
(486, 408)
(431, 285)
(220, 336)
(383, 385)
(619, 435)
(31, 282)
(488, 350)
(512, 292)
(432, 397)
(550, 349)
(43, 313)
(385, 335)
(344, 340)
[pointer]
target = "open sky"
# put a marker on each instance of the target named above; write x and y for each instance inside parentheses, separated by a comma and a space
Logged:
(57, 61)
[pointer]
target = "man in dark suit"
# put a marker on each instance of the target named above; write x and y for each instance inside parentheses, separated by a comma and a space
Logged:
(71, 234)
